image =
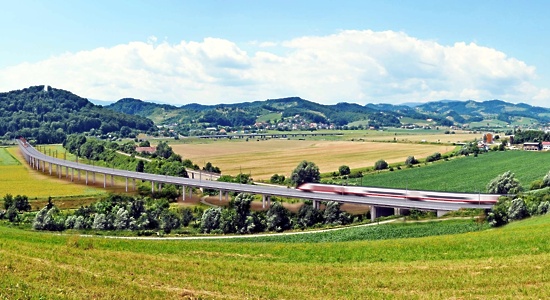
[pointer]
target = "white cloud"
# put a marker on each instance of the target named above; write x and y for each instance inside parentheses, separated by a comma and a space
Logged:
(353, 66)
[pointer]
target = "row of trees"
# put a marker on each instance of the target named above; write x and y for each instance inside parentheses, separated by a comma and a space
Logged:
(145, 215)
(14, 206)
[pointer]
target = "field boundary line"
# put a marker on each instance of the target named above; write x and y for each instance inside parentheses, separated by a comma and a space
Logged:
(222, 237)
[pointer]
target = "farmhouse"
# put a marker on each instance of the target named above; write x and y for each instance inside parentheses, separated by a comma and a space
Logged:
(146, 149)
(545, 146)
(531, 146)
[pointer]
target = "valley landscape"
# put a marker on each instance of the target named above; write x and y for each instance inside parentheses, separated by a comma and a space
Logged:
(274, 150)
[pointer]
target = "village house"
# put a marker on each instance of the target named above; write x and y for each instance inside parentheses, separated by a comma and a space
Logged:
(546, 146)
(531, 146)
(146, 149)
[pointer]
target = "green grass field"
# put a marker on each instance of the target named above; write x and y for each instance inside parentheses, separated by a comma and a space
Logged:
(465, 174)
(505, 263)
(7, 159)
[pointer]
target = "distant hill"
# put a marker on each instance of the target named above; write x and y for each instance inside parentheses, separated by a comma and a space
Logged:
(47, 115)
(248, 113)
(473, 111)
(279, 111)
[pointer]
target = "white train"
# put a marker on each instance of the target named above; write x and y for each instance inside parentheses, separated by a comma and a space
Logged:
(433, 196)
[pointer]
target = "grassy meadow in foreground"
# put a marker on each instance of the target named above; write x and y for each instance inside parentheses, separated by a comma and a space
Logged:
(510, 262)
(466, 174)
(267, 157)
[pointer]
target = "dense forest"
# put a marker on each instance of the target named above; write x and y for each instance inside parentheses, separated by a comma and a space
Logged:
(47, 115)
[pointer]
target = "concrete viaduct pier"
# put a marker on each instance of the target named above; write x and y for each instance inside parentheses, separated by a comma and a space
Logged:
(380, 206)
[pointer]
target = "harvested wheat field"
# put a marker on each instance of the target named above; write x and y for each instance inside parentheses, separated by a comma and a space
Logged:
(264, 158)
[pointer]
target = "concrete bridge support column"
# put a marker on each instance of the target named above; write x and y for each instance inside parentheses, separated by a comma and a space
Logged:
(160, 187)
(316, 204)
(66, 172)
(263, 201)
(221, 195)
(43, 166)
(126, 184)
(86, 177)
(58, 169)
(152, 187)
(104, 181)
(441, 213)
(112, 180)
(378, 211)
(227, 196)
(183, 193)
(400, 211)
(190, 192)
(50, 169)
(72, 174)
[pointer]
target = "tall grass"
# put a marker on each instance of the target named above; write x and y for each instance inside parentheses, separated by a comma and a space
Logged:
(509, 262)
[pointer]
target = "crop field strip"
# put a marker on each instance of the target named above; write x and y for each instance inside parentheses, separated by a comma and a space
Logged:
(509, 262)
(6, 158)
(19, 179)
(264, 158)
(466, 174)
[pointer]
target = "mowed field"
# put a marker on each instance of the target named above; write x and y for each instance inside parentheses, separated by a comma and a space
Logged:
(416, 135)
(264, 158)
(19, 179)
(504, 263)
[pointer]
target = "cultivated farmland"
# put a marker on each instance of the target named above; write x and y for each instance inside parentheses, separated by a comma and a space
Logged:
(19, 179)
(266, 157)
(466, 174)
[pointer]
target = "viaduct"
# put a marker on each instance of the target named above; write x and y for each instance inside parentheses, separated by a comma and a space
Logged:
(380, 206)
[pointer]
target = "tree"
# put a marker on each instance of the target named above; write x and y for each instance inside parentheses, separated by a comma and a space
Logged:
(140, 166)
(121, 219)
(211, 219)
(505, 183)
(8, 201)
(49, 218)
(100, 222)
(21, 203)
(277, 179)
(344, 170)
(498, 216)
(305, 172)
(169, 221)
(278, 218)
(186, 216)
(517, 210)
(546, 180)
(241, 204)
(380, 165)
(163, 150)
(309, 216)
(411, 161)
(437, 156)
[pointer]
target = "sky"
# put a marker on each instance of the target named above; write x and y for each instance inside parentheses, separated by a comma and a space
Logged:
(213, 52)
